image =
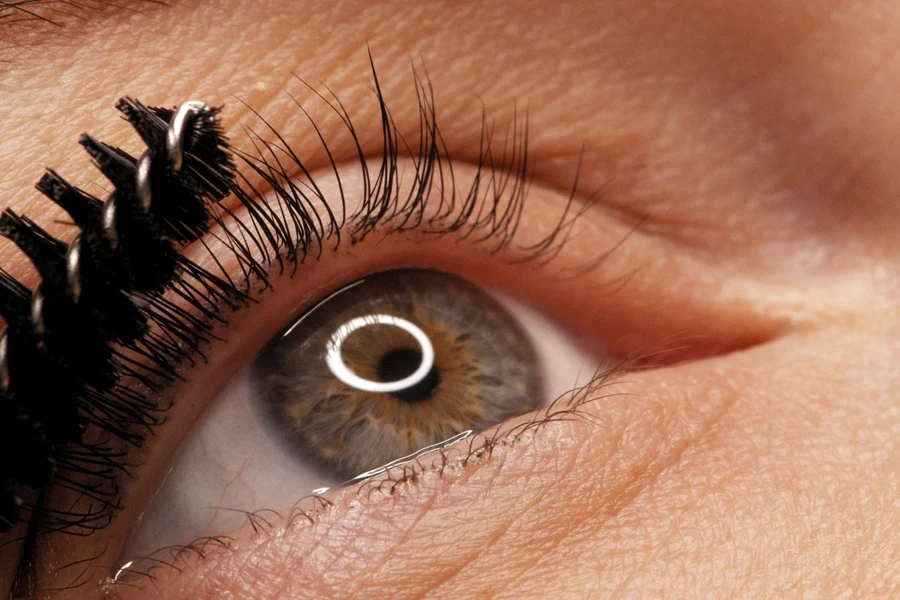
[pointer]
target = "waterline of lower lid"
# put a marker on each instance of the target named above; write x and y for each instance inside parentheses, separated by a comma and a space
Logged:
(411, 457)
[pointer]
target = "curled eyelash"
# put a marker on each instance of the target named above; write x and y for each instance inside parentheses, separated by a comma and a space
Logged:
(171, 304)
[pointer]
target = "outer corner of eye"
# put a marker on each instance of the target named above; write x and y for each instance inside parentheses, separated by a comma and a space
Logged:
(389, 365)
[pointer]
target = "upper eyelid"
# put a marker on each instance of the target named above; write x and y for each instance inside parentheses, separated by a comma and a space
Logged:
(572, 173)
(273, 164)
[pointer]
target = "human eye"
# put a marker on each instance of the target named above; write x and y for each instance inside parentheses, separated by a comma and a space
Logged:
(313, 250)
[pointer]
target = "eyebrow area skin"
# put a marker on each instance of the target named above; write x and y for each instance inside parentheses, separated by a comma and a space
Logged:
(15, 12)
(29, 24)
(760, 159)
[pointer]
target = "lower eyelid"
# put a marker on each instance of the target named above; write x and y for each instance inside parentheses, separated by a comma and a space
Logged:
(540, 475)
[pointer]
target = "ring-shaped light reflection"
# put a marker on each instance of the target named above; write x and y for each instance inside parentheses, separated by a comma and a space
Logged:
(345, 374)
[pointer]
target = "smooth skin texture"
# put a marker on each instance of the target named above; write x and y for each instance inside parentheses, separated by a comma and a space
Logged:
(757, 139)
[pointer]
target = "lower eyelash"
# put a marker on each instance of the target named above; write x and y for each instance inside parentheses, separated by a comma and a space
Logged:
(265, 238)
(455, 455)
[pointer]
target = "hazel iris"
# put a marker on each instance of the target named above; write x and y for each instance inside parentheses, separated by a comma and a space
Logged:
(393, 363)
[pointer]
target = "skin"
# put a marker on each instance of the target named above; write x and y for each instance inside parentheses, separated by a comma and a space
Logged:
(757, 142)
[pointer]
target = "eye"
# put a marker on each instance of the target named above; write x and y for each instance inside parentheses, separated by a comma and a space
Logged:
(394, 364)
(524, 293)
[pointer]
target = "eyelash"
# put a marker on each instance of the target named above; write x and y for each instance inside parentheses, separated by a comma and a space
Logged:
(266, 239)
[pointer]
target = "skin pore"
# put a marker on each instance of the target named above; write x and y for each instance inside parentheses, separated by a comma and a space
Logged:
(754, 141)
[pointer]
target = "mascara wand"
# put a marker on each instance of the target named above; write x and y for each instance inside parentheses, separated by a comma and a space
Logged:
(100, 313)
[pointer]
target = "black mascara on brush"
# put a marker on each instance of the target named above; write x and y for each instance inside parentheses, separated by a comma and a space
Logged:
(99, 315)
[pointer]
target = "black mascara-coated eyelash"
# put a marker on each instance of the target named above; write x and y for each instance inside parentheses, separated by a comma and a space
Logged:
(147, 309)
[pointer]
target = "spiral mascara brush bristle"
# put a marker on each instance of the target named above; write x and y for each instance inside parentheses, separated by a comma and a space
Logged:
(70, 341)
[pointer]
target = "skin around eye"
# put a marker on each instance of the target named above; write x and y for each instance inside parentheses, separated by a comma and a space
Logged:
(615, 331)
(621, 326)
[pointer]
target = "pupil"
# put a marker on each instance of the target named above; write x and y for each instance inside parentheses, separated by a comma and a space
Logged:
(397, 364)
(403, 362)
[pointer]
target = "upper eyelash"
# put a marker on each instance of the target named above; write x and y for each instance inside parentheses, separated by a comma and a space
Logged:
(262, 239)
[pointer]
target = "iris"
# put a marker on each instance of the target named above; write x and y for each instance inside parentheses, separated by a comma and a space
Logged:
(392, 363)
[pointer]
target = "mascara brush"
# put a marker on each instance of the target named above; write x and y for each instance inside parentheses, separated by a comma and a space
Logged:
(100, 303)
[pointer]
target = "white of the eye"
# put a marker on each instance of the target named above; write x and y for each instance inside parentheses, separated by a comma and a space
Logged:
(343, 372)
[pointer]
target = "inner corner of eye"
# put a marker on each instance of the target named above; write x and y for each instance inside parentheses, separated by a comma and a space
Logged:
(391, 364)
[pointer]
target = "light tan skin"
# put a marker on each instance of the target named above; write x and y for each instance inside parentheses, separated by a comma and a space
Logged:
(761, 139)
